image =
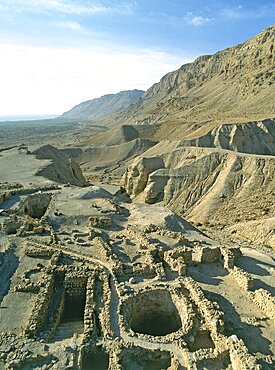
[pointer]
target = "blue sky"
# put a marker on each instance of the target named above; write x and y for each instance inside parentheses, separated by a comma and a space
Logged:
(57, 53)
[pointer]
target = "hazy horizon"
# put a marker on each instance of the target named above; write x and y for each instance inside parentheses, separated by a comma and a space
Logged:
(26, 117)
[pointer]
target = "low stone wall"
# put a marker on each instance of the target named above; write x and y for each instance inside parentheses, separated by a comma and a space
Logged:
(159, 271)
(90, 306)
(75, 284)
(180, 251)
(104, 250)
(105, 313)
(265, 301)
(242, 278)
(145, 266)
(139, 237)
(213, 316)
(89, 309)
(41, 305)
(100, 221)
(58, 315)
(206, 254)
(35, 252)
(177, 258)
(147, 269)
(204, 354)
(18, 189)
(228, 256)
(184, 255)
(26, 285)
(261, 297)
(239, 356)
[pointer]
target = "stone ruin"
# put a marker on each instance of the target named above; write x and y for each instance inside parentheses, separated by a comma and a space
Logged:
(91, 309)
(170, 326)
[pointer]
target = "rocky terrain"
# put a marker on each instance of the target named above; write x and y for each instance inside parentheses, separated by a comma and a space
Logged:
(150, 245)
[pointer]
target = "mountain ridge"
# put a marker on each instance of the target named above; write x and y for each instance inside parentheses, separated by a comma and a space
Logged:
(234, 84)
(104, 105)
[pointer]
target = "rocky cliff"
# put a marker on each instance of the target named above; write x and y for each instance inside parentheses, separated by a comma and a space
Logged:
(250, 137)
(236, 84)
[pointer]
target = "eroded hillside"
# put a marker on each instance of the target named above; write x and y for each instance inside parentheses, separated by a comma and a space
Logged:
(223, 178)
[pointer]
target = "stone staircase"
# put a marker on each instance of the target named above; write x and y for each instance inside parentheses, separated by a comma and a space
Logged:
(67, 329)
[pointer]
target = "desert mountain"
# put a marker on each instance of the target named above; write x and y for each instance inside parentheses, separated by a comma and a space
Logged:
(105, 105)
(235, 85)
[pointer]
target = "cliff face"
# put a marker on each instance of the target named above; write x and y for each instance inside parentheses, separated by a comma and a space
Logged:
(103, 106)
(252, 137)
(234, 84)
(223, 178)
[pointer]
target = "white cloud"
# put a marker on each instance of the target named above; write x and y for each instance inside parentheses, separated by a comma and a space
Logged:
(241, 12)
(47, 80)
(77, 7)
(196, 20)
(74, 26)
(233, 13)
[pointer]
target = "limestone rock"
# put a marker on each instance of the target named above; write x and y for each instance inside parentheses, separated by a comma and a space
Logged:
(206, 183)
(62, 168)
(136, 177)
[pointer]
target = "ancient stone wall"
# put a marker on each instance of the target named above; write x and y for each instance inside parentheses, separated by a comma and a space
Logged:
(242, 278)
(212, 315)
(36, 252)
(265, 301)
(239, 356)
(89, 309)
(206, 254)
(134, 313)
(41, 305)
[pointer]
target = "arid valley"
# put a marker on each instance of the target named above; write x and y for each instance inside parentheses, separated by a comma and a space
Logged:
(137, 230)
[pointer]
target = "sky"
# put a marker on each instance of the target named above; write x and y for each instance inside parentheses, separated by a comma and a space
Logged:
(55, 54)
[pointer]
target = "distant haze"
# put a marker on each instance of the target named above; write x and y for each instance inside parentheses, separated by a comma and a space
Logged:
(25, 118)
